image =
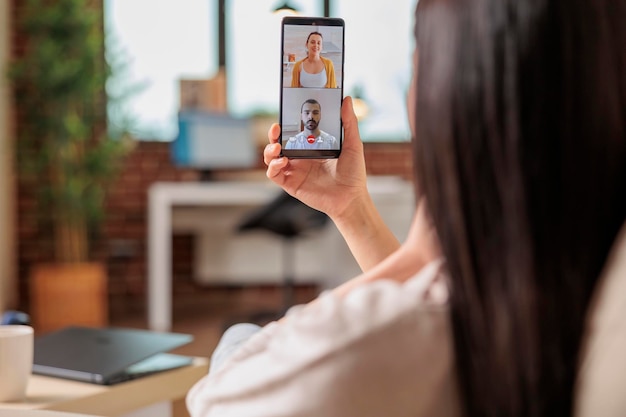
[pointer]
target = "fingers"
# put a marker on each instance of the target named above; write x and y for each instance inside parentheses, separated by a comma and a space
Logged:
(273, 134)
(271, 152)
(275, 168)
(347, 111)
(275, 163)
(350, 123)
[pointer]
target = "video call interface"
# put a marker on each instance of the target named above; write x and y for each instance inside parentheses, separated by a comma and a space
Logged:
(311, 99)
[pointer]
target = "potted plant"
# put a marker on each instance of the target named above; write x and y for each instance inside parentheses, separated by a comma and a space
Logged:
(64, 153)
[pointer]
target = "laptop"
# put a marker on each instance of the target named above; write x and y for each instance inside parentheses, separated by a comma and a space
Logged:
(107, 356)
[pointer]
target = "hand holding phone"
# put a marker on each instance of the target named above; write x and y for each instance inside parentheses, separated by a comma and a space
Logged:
(328, 185)
(312, 58)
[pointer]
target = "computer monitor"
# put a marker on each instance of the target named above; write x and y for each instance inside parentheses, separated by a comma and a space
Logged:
(213, 141)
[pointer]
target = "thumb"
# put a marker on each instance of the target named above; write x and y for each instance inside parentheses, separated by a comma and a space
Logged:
(350, 124)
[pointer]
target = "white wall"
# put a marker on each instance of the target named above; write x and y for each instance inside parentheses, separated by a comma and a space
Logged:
(7, 244)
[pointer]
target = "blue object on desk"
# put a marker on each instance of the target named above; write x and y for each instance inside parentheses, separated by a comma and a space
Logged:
(15, 317)
(211, 141)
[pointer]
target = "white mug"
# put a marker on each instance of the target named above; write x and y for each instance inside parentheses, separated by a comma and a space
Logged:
(16, 361)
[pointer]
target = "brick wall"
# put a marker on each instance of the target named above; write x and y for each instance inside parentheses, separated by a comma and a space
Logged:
(122, 244)
(389, 159)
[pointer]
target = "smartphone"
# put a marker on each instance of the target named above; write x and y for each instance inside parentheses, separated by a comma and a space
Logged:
(311, 86)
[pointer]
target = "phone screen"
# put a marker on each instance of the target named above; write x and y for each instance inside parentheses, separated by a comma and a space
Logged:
(312, 60)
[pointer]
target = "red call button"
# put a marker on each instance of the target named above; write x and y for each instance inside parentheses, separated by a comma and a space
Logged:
(310, 139)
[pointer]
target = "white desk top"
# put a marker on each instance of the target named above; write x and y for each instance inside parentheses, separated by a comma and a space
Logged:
(214, 193)
(254, 192)
(56, 394)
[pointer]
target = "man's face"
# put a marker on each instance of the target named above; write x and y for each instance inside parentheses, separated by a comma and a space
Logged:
(311, 115)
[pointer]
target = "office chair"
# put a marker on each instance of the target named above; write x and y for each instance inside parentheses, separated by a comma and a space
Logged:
(288, 218)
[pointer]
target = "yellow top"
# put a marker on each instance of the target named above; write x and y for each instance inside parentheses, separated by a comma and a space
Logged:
(331, 82)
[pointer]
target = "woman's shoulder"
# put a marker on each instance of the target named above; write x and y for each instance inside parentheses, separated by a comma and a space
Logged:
(417, 307)
(387, 343)
(326, 61)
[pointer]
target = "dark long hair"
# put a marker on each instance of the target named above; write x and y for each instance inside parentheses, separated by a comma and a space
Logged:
(520, 150)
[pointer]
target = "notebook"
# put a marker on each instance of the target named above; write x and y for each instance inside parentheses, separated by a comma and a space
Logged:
(107, 355)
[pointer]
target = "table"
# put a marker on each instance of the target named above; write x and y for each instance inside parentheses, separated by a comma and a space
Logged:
(56, 394)
(162, 197)
(392, 195)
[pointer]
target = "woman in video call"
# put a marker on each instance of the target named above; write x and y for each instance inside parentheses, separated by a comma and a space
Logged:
(314, 70)
(507, 297)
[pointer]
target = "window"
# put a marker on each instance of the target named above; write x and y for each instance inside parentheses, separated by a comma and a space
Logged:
(253, 53)
(379, 46)
(164, 40)
(155, 43)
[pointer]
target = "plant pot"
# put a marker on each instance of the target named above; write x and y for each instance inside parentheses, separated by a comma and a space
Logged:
(68, 294)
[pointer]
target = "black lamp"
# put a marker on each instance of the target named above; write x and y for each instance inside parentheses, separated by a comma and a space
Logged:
(286, 8)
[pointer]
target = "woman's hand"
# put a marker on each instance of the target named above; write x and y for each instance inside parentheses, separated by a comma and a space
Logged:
(337, 187)
(332, 186)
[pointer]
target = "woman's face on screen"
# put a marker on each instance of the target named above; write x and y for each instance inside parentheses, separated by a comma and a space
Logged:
(314, 44)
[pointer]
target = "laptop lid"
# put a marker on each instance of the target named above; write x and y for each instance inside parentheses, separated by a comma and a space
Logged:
(99, 355)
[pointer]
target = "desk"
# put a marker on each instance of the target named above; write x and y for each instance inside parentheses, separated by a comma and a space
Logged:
(393, 197)
(162, 197)
(56, 394)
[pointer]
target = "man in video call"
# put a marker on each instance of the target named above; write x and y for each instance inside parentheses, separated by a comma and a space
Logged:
(312, 137)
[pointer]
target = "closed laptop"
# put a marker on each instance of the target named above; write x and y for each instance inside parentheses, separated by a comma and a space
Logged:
(107, 355)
